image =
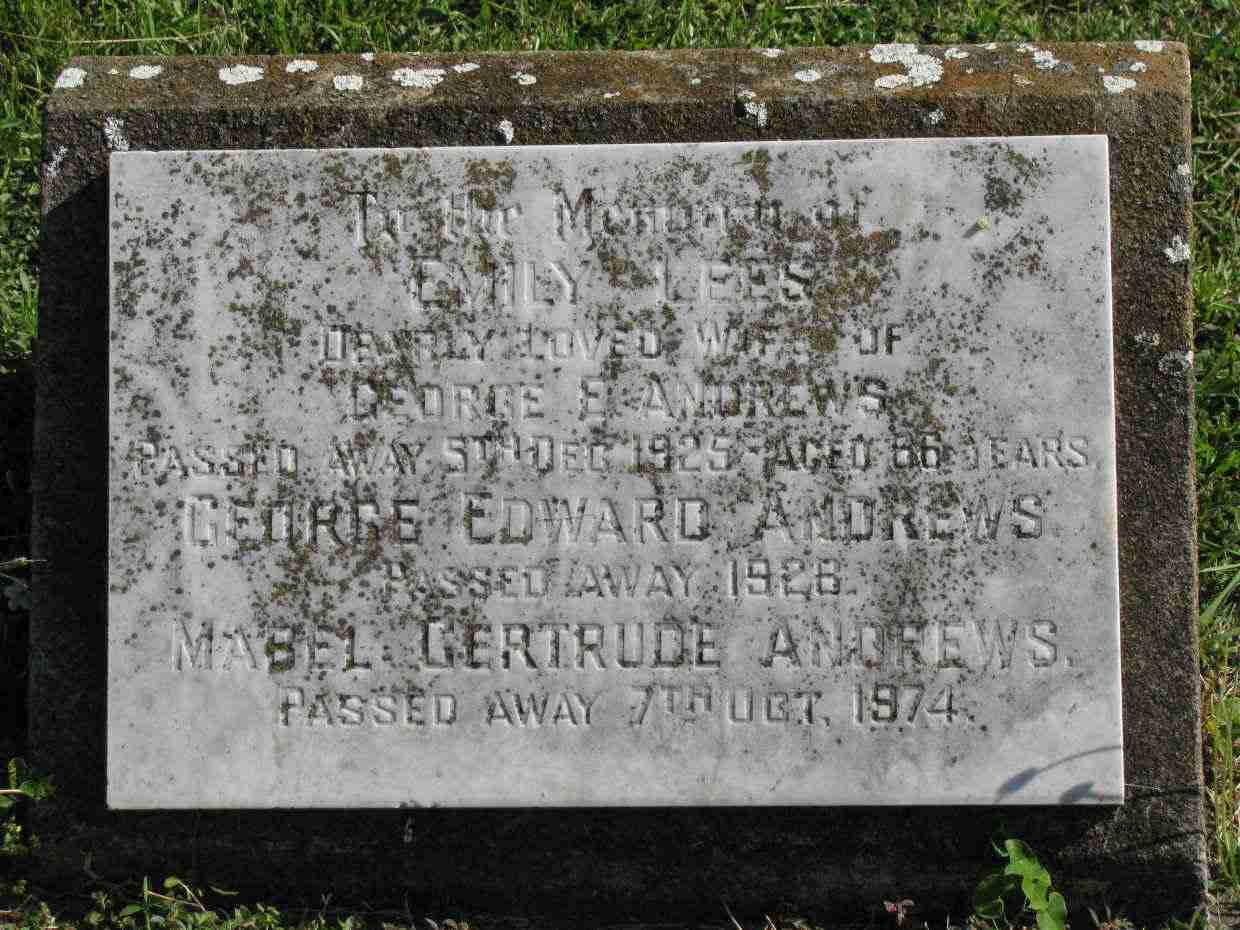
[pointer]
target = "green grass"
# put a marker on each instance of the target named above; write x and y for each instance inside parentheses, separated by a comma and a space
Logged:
(1220, 657)
(36, 36)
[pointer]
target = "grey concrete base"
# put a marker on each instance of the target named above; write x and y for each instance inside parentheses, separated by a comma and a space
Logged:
(1146, 857)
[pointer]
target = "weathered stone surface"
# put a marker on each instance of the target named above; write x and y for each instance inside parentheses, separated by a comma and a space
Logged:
(1145, 857)
(737, 473)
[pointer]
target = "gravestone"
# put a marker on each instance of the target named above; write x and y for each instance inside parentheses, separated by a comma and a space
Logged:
(804, 429)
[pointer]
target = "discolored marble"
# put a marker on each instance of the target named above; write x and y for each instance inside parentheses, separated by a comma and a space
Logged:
(738, 473)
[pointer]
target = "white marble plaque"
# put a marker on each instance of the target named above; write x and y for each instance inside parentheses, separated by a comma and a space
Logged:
(687, 474)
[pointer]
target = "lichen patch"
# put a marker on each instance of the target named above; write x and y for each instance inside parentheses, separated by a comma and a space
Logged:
(920, 69)
(752, 107)
(466, 66)
(58, 156)
(145, 72)
(955, 54)
(770, 52)
(891, 81)
(424, 78)
(114, 134)
(524, 78)
(70, 78)
(241, 74)
(807, 76)
(348, 82)
(1178, 251)
(758, 111)
(1042, 59)
(505, 129)
(1115, 84)
(301, 66)
(1175, 363)
(1153, 46)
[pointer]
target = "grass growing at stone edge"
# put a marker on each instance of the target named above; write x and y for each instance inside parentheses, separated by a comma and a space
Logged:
(36, 36)
(1221, 690)
(19, 140)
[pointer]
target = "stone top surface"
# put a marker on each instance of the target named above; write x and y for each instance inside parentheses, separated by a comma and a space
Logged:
(756, 79)
(725, 473)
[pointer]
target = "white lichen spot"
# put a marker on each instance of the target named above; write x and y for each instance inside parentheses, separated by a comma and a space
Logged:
(368, 56)
(348, 82)
(1174, 363)
(892, 52)
(1021, 81)
(695, 81)
(114, 133)
(1042, 59)
(524, 78)
(968, 70)
(758, 111)
(1153, 46)
(608, 95)
(991, 46)
(301, 66)
(1117, 85)
(770, 52)
(920, 69)
(983, 223)
(506, 129)
(891, 81)
(1178, 251)
(241, 74)
(753, 107)
(955, 54)
(70, 78)
(145, 72)
(1148, 340)
(1137, 66)
(114, 71)
(425, 78)
(807, 76)
(1184, 169)
(466, 66)
(58, 156)
(934, 117)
